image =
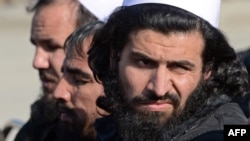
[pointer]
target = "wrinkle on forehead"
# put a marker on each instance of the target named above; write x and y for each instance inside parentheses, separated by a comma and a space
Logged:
(56, 21)
(79, 50)
(158, 46)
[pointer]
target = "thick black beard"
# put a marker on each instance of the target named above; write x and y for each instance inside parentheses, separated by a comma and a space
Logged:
(136, 125)
(46, 111)
(80, 127)
(64, 133)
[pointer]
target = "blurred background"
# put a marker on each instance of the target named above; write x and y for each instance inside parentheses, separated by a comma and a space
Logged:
(19, 83)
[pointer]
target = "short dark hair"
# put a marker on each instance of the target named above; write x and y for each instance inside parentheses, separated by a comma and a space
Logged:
(73, 44)
(228, 75)
(83, 14)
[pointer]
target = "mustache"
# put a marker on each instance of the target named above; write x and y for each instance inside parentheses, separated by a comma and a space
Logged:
(78, 116)
(47, 75)
(63, 108)
(151, 97)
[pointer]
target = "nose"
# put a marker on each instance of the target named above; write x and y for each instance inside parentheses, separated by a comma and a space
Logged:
(160, 81)
(62, 90)
(41, 59)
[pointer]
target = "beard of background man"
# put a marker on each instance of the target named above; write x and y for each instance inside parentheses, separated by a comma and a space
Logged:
(140, 125)
(46, 106)
(79, 127)
(48, 74)
(74, 130)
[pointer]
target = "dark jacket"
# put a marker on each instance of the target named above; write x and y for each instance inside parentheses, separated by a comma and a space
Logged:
(42, 124)
(211, 126)
(105, 129)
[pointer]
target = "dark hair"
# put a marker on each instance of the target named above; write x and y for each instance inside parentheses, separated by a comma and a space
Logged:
(83, 14)
(228, 76)
(73, 44)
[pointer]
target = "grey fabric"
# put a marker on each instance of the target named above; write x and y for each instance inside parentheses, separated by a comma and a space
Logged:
(229, 113)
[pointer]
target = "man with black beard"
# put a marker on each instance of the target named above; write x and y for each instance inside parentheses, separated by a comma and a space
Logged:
(168, 73)
(52, 23)
(77, 90)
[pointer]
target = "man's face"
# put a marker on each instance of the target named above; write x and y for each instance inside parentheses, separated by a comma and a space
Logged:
(78, 91)
(158, 73)
(51, 26)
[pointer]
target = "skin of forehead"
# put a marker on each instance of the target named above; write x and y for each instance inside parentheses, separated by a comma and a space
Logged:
(84, 49)
(162, 39)
(53, 19)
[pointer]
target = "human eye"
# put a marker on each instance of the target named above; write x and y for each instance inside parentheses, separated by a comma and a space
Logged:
(52, 48)
(77, 80)
(145, 63)
(141, 60)
(50, 45)
(178, 68)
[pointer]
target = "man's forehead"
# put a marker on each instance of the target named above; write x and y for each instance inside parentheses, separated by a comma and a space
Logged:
(75, 62)
(50, 25)
(78, 50)
(158, 46)
(44, 37)
(77, 66)
(151, 33)
(55, 14)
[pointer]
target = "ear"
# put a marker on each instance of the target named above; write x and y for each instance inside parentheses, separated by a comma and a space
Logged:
(207, 75)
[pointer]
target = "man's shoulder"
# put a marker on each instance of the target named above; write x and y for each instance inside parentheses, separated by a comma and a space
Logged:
(31, 131)
(230, 113)
(212, 125)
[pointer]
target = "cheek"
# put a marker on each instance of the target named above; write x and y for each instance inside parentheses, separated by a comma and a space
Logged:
(57, 58)
(133, 81)
(185, 86)
(86, 95)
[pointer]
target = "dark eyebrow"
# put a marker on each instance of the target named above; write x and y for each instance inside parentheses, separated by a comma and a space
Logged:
(183, 63)
(47, 41)
(135, 54)
(77, 71)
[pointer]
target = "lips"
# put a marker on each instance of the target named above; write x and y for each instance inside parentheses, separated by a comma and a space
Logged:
(49, 86)
(65, 117)
(160, 105)
(48, 80)
(65, 114)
